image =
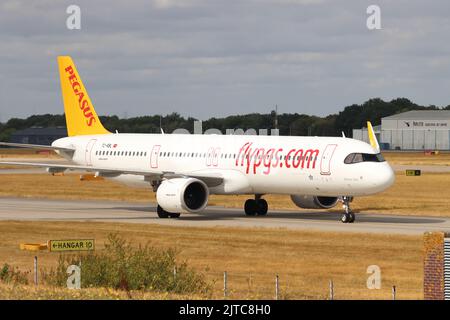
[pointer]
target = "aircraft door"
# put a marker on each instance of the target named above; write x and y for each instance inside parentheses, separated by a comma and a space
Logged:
(88, 152)
(154, 156)
(212, 157)
(325, 161)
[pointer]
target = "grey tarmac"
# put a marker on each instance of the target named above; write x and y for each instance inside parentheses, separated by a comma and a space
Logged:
(25, 209)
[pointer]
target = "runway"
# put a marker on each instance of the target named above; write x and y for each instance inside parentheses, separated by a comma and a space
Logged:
(110, 211)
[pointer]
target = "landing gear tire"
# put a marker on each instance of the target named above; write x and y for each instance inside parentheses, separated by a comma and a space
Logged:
(348, 216)
(352, 217)
(250, 207)
(254, 207)
(263, 207)
(163, 214)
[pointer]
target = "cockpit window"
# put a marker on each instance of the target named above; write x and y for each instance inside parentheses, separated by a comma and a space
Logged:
(363, 157)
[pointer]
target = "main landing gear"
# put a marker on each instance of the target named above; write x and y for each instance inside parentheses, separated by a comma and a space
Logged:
(348, 216)
(256, 207)
(163, 214)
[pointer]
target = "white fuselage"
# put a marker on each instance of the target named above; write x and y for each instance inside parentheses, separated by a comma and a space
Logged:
(248, 164)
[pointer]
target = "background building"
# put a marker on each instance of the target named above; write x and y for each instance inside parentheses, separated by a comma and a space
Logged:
(412, 130)
(361, 134)
(36, 135)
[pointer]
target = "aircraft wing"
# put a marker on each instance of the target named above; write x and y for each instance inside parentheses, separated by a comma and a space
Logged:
(211, 180)
(36, 146)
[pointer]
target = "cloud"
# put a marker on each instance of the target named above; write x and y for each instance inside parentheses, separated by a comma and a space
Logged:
(217, 57)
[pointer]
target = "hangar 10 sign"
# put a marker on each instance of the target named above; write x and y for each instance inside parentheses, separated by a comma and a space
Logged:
(72, 245)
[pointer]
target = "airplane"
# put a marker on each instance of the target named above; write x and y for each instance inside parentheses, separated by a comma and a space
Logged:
(183, 169)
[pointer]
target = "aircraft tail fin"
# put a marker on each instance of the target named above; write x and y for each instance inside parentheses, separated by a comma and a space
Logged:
(81, 118)
(372, 137)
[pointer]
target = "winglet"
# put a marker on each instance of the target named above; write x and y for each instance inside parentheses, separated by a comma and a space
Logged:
(372, 137)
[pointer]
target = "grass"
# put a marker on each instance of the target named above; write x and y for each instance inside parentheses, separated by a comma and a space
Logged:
(22, 154)
(26, 153)
(418, 158)
(420, 195)
(45, 292)
(124, 266)
(304, 260)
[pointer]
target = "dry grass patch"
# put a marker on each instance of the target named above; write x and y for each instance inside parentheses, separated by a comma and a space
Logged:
(24, 153)
(68, 186)
(31, 292)
(418, 158)
(305, 261)
(423, 195)
(427, 194)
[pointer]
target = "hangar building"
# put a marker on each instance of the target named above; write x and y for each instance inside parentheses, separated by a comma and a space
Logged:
(38, 135)
(412, 130)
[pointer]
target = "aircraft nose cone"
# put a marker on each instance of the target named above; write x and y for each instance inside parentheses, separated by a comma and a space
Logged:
(386, 176)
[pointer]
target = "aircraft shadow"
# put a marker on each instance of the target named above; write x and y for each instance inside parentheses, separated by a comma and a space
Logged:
(214, 213)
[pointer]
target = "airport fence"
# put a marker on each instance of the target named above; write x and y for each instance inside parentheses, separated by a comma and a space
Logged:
(279, 286)
(276, 286)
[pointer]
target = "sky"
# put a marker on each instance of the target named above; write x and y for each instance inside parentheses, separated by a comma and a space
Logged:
(213, 58)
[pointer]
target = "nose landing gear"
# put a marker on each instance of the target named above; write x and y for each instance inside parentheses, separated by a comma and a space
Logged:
(348, 216)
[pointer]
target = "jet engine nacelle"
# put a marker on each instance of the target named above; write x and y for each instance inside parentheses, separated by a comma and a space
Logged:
(314, 202)
(182, 195)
